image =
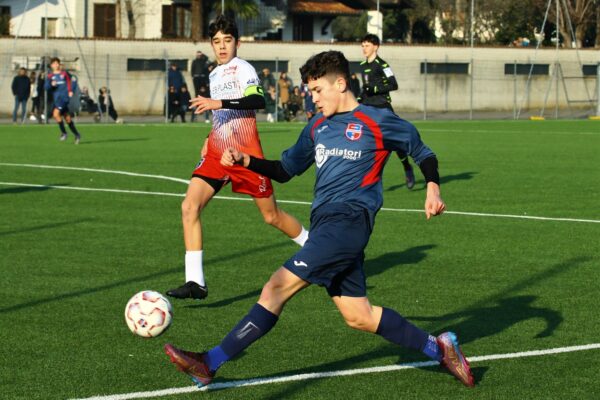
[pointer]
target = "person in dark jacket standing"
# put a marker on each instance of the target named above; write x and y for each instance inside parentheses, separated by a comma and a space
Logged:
(184, 102)
(21, 87)
(175, 77)
(199, 72)
(378, 81)
(106, 104)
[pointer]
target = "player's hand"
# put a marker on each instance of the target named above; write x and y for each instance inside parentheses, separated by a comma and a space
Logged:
(70, 94)
(434, 205)
(232, 157)
(203, 104)
(204, 149)
(53, 83)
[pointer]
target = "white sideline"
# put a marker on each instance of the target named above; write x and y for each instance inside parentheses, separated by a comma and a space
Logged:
(331, 374)
(88, 189)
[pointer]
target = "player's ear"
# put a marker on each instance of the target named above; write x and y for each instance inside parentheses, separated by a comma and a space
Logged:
(340, 84)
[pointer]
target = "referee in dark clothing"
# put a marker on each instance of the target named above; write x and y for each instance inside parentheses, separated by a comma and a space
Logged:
(21, 88)
(378, 81)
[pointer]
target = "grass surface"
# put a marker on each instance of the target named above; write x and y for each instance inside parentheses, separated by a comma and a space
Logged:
(71, 259)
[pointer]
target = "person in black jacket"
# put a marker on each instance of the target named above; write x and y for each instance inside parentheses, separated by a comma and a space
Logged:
(378, 81)
(106, 104)
(184, 102)
(21, 87)
(199, 71)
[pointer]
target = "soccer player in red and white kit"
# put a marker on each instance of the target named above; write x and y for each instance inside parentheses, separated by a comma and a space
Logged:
(235, 95)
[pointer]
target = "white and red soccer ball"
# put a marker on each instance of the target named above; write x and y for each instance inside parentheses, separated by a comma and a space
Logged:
(148, 313)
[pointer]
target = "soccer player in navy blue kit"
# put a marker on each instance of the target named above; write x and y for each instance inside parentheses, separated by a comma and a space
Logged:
(349, 144)
(58, 83)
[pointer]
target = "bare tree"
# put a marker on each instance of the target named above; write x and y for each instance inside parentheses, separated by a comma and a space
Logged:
(580, 12)
(597, 45)
(130, 19)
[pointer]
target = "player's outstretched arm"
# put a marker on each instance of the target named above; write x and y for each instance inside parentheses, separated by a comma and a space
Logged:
(270, 169)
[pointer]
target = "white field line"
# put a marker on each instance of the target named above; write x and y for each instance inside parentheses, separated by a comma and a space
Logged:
(170, 178)
(104, 171)
(141, 192)
(332, 374)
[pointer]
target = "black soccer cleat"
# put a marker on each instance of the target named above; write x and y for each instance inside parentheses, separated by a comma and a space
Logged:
(190, 290)
(410, 179)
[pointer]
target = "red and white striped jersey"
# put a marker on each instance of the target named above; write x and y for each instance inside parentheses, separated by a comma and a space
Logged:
(233, 128)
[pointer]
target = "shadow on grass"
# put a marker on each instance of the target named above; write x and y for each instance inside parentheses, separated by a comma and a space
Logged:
(83, 142)
(463, 176)
(142, 278)
(413, 255)
(29, 189)
(44, 227)
(476, 323)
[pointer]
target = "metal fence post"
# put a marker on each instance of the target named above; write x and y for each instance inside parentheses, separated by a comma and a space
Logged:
(471, 99)
(425, 90)
(515, 89)
(167, 88)
(598, 90)
(107, 86)
(276, 90)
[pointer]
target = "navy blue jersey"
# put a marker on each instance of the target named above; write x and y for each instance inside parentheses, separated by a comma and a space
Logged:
(350, 150)
(60, 91)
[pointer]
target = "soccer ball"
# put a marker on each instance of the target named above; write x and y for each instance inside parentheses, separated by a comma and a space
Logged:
(148, 313)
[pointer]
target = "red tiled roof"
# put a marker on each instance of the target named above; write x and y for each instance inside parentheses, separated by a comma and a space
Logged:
(317, 7)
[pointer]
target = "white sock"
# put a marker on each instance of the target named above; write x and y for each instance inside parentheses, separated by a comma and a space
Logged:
(193, 267)
(302, 237)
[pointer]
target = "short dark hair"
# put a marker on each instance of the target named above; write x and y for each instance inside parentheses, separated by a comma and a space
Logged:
(374, 39)
(223, 24)
(53, 59)
(327, 62)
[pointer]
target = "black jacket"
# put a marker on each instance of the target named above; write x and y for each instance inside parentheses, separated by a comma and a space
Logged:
(21, 87)
(378, 81)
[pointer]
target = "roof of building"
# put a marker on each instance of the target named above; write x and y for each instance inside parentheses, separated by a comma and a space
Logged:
(321, 7)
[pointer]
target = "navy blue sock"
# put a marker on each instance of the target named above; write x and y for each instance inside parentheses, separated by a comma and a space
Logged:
(398, 330)
(432, 350)
(61, 125)
(73, 129)
(257, 323)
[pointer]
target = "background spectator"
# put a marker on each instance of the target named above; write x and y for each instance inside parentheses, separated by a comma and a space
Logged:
(21, 87)
(106, 104)
(184, 102)
(199, 72)
(270, 103)
(174, 103)
(355, 85)
(267, 79)
(284, 84)
(295, 103)
(175, 78)
(309, 106)
(35, 97)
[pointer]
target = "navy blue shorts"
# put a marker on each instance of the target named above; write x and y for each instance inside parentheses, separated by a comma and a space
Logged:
(62, 105)
(333, 255)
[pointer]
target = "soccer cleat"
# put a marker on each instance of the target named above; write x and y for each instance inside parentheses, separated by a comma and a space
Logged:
(63, 137)
(77, 139)
(453, 358)
(193, 364)
(410, 178)
(189, 290)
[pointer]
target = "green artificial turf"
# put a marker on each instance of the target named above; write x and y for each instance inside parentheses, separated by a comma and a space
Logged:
(70, 260)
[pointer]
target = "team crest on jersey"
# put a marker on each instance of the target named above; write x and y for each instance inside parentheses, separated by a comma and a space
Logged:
(353, 132)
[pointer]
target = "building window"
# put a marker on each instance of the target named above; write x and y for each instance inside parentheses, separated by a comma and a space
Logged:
(523, 69)
(4, 20)
(445, 68)
(154, 64)
(303, 28)
(51, 27)
(105, 22)
(177, 21)
(589, 70)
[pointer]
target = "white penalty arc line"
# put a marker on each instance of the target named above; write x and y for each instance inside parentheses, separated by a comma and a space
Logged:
(332, 374)
(141, 192)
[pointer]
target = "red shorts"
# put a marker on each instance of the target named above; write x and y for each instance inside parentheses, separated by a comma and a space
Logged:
(242, 179)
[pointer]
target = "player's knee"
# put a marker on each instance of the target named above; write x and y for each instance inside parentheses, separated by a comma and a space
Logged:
(190, 209)
(359, 322)
(271, 218)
